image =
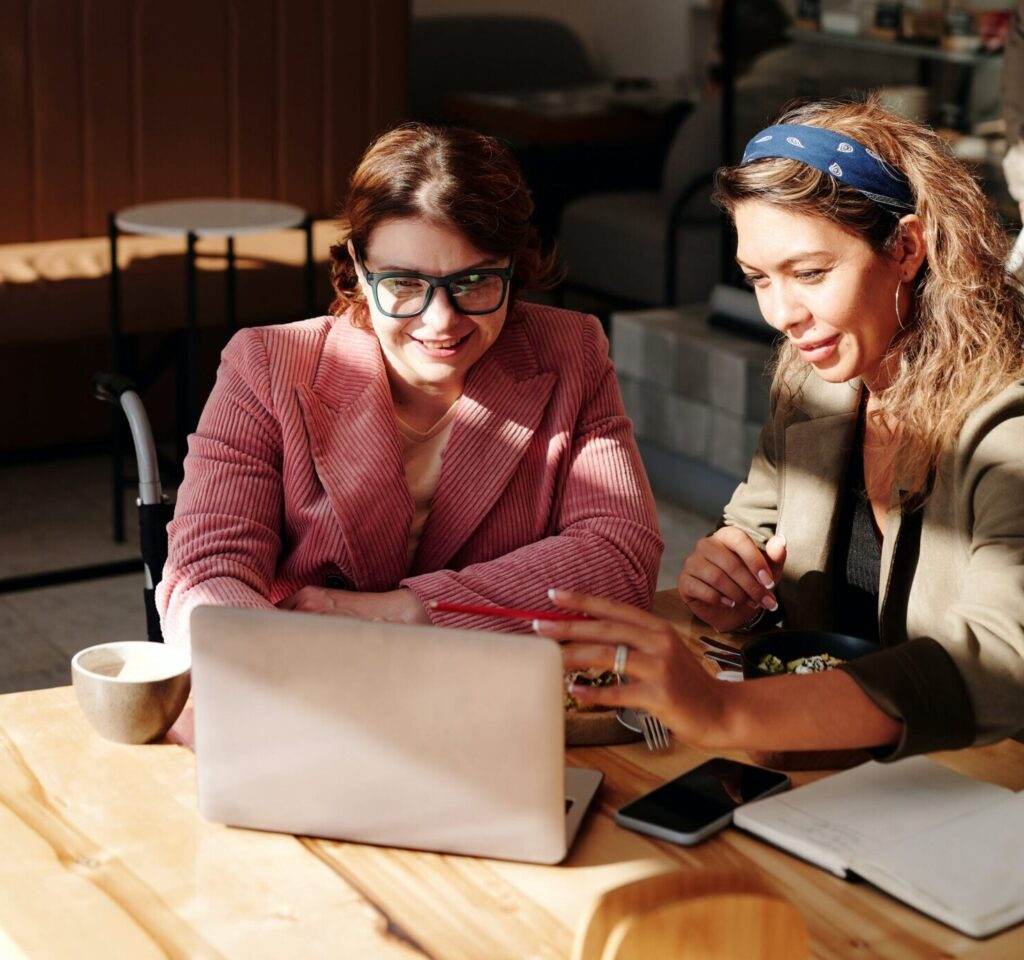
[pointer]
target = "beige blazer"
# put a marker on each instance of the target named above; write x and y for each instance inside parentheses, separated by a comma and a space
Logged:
(951, 589)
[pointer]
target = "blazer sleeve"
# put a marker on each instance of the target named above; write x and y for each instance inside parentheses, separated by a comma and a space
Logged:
(605, 538)
(965, 685)
(224, 540)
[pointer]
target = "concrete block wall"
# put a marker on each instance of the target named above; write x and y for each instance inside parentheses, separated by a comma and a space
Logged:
(696, 394)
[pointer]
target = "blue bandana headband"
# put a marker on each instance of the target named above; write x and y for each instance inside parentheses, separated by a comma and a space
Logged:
(844, 158)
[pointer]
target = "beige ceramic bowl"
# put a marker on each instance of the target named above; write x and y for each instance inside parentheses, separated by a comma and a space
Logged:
(132, 691)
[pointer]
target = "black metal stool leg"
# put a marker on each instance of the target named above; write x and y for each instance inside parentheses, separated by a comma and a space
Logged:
(307, 226)
(232, 312)
(188, 415)
(117, 443)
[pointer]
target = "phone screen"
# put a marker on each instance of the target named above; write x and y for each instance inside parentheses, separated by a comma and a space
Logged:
(703, 795)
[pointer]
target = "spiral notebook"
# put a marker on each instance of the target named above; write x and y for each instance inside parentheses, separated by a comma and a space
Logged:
(943, 843)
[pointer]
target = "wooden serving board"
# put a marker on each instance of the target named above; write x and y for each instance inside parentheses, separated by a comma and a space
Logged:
(595, 728)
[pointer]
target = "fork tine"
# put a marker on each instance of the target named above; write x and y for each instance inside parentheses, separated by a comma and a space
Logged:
(655, 737)
(645, 722)
(659, 737)
(644, 727)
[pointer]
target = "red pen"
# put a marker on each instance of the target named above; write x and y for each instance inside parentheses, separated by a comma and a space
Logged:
(509, 612)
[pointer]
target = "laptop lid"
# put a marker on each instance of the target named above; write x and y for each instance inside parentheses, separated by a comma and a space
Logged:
(410, 736)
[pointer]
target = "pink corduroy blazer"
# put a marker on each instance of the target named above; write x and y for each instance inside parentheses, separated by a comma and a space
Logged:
(295, 475)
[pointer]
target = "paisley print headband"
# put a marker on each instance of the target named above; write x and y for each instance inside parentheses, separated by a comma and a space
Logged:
(842, 157)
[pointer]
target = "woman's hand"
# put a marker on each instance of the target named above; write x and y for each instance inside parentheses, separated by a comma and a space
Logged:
(818, 711)
(727, 580)
(664, 677)
(393, 606)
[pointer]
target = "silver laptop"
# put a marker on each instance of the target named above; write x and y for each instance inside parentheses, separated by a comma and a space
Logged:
(408, 736)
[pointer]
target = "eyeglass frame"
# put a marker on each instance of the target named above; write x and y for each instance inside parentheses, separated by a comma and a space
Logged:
(374, 278)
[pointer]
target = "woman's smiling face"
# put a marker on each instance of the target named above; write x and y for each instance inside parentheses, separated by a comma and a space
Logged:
(434, 351)
(824, 288)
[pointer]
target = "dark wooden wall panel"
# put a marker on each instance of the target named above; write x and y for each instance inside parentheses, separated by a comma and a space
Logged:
(182, 88)
(300, 92)
(108, 123)
(349, 67)
(56, 52)
(368, 70)
(15, 123)
(104, 103)
(389, 42)
(257, 110)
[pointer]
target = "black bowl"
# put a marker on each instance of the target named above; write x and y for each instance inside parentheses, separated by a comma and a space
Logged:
(789, 644)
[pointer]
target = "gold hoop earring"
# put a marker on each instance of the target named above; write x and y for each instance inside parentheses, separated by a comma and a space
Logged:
(896, 303)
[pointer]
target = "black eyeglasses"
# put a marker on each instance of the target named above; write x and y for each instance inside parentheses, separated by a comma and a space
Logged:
(401, 294)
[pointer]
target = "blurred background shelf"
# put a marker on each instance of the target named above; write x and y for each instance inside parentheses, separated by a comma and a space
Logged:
(893, 48)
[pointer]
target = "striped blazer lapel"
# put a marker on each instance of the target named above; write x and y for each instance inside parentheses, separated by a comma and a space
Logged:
(354, 444)
(502, 405)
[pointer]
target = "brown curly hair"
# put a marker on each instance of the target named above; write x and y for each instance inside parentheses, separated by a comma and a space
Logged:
(447, 175)
(965, 339)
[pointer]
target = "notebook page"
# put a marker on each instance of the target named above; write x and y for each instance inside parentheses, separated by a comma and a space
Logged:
(968, 872)
(872, 805)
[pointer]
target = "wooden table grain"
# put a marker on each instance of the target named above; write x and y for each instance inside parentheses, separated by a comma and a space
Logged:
(103, 854)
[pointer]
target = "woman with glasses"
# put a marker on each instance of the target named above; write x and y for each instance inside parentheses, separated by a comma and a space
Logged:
(886, 498)
(435, 437)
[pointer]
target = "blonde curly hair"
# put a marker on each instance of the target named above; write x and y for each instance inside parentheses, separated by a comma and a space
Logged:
(964, 341)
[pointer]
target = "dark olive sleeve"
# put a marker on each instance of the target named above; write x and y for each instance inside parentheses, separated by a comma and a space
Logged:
(917, 683)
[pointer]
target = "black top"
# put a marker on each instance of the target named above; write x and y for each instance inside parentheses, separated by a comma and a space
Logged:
(857, 557)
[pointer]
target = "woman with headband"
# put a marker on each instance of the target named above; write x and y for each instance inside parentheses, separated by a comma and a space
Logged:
(886, 498)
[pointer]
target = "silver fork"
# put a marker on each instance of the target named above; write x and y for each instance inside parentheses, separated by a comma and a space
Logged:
(655, 732)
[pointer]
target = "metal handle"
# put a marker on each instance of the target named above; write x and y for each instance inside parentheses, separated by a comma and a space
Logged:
(115, 388)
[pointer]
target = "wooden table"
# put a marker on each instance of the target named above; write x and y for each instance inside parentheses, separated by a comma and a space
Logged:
(103, 854)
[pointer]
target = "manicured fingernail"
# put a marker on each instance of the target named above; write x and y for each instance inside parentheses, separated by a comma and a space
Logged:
(728, 602)
(782, 537)
(765, 577)
(543, 626)
(769, 603)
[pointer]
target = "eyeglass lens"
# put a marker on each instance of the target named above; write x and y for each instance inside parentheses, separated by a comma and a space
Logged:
(406, 296)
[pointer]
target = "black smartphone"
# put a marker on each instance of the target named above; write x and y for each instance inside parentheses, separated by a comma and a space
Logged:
(700, 802)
